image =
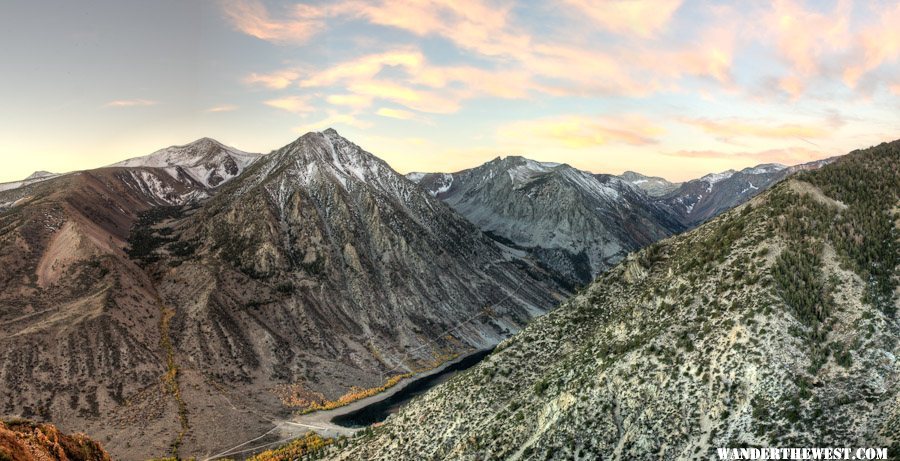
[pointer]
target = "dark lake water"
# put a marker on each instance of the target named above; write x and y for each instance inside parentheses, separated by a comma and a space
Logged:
(379, 411)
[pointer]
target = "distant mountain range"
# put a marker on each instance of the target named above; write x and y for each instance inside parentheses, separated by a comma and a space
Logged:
(175, 302)
(771, 325)
(578, 223)
(699, 200)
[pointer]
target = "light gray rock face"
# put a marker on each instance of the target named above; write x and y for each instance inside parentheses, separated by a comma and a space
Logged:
(576, 223)
(760, 328)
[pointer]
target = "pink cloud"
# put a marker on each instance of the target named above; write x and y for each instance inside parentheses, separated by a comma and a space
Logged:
(252, 18)
(642, 18)
(876, 45)
(486, 28)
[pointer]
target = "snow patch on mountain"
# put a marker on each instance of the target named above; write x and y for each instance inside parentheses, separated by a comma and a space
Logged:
(766, 168)
(714, 178)
(415, 176)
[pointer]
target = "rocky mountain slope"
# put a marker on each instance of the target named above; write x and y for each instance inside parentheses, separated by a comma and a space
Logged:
(162, 315)
(772, 325)
(702, 199)
(574, 222)
(206, 161)
(26, 441)
(80, 321)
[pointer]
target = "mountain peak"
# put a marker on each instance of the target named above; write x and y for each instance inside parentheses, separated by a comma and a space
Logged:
(764, 168)
(206, 160)
(204, 142)
(40, 175)
(327, 151)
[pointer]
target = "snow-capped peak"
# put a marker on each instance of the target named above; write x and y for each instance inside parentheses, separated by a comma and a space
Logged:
(328, 153)
(41, 175)
(765, 168)
(713, 178)
(205, 160)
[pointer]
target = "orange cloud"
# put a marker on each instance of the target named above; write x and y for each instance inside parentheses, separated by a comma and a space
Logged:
(642, 18)
(293, 104)
(276, 80)
(733, 128)
(582, 132)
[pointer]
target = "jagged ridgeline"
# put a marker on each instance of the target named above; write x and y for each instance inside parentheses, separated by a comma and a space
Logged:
(772, 325)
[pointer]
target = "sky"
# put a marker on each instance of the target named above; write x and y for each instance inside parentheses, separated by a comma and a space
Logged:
(673, 88)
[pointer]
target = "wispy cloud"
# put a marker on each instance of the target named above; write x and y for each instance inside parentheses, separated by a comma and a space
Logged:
(737, 128)
(805, 39)
(520, 63)
(876, 44)
(252, 18)
(276, 80)
(784, 156)
(643, 18)
(131, 103)
(333, 119)
(635, 59)
(295, 104)
(395, 113)
(353, 101)
(581, 132)
(222, 108)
